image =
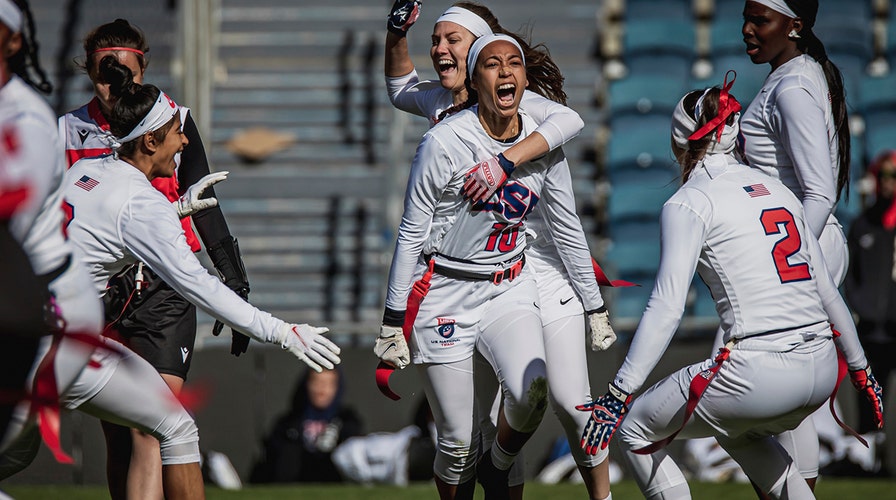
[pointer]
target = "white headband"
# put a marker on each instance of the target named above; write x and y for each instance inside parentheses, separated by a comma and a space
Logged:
(11, 15)
(683, 125)
(161, 113)
(778, 6)
(469, 20)
(480, 44)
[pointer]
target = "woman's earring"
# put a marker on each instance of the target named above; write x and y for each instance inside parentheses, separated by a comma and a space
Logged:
(793, 35)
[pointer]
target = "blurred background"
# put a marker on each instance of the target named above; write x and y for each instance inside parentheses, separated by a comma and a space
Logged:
(290, 98)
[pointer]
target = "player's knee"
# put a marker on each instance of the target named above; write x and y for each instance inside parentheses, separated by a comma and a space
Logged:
(179, 440)
(525, 412)
(454, 461)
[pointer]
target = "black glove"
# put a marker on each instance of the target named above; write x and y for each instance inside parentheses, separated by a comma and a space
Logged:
(225, 255)
(403, 15)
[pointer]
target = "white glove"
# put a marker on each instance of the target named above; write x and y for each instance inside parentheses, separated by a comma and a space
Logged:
(391, 347)
(307, 343)
(602, 334)
(189, 203)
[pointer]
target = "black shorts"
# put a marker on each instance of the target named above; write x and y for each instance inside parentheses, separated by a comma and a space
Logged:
(158, 324)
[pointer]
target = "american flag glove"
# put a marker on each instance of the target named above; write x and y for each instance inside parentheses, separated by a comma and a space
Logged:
(607, 412)
(864, 382)
(403, 15)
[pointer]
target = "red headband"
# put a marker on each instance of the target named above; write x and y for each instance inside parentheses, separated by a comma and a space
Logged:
(126, 49)
(727, 105)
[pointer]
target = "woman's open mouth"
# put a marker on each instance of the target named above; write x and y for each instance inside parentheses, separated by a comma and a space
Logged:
(506, 93)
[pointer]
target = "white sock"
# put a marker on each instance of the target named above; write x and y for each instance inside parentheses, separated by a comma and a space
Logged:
(500, 458)
(609, 497)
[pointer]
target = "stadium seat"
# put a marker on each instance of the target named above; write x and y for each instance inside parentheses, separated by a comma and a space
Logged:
(843, 26)
(635, 247)
(655, 82)
(669, 10)
(640, 141)
(874, 92)
(640, 193)
(659, 36)
(880, 130)
(750, 77)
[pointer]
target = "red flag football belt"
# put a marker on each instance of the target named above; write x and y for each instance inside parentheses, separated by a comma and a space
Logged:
(496, 277)
(698, 386)
(418, 292)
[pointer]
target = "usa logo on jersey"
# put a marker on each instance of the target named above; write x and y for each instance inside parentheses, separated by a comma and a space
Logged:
(445, 328)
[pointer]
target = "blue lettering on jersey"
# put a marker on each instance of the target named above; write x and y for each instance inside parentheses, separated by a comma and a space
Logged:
(515, 201)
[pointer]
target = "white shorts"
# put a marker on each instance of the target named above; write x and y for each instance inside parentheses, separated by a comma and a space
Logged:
(455, 311)
(558, 299)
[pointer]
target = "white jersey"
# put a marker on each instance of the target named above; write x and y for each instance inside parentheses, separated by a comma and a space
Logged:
(439, 222)
(789, 134)
(29, 155)
(118, 218)
(724, 216)
(566, 261)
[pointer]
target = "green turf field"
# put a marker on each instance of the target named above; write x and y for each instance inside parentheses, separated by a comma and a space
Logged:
(827, 489)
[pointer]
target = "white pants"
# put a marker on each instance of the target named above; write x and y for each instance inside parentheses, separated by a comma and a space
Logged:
(508, 336)
(124, 390)
(82, 312)
(764, 388)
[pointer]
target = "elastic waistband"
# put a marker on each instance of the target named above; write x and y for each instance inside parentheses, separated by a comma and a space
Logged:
(788, 337)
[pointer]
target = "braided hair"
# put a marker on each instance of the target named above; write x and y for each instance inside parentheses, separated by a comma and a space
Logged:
(25, 63)
(809, 43)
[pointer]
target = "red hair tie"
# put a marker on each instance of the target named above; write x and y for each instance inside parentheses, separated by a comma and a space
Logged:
(111, 49)
(727, 105)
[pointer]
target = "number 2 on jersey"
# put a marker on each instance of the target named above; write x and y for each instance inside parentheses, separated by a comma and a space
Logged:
(503, 238)
(776, 221)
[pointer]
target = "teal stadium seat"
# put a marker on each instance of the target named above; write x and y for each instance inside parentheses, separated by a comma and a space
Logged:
(654, 83)
(639, 193)
(640, 140)
(635, 247)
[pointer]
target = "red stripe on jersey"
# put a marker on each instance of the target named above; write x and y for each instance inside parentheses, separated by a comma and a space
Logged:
(73, 155)
(96, 114)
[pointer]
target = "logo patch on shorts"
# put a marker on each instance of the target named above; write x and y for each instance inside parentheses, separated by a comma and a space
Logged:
(445, 328)
(185, 352)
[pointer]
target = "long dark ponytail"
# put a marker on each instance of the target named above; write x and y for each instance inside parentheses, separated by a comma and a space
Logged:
(809, 43)
(133, 102)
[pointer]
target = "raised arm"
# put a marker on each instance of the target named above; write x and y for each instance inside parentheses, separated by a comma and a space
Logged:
(557, 125)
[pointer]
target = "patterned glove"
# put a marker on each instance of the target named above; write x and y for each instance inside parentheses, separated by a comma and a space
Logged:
(190, 203)
(864, 382)
(486, 177)
(307, 343)
(391, 347)
(607, 412)
(403, 15)
(602, 334)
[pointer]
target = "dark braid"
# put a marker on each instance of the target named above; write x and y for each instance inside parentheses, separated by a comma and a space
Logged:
(472, 98)
(809, 43)
(25, 63)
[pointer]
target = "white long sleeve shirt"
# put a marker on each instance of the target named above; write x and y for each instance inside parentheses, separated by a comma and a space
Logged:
(119, 218)
(745, 234)
(438, 221)
(789, 134)
(557, 124)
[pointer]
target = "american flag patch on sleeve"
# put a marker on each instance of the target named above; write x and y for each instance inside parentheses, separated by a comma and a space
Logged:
(86, 183)
(755, 190)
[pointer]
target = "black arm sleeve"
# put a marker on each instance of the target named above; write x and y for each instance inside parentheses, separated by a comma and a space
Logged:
(210, 223)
